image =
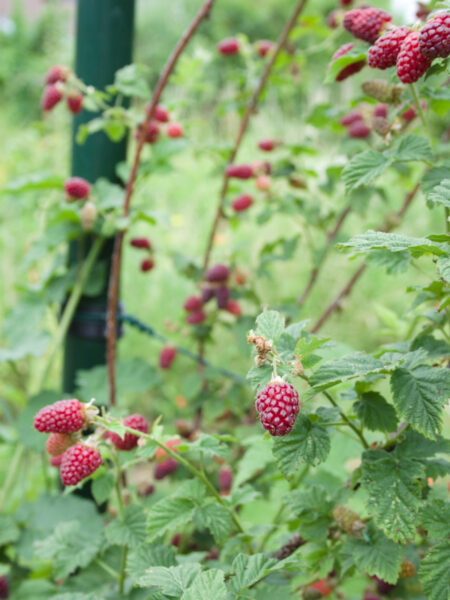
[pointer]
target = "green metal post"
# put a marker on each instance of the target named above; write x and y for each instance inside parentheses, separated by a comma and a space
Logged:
(104, 45)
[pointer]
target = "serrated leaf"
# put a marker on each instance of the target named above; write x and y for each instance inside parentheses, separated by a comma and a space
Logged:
(131, 81)
(217, 519)
(419, 395)
(312, 508)
(435, 348)
(440, 194)
(169, 514)
(256, 458)
(131, 530)
(209, 585)
(412, 147)
(249, 570)
(375, 413)
(306, 345)
(443, 265)
(364, 168)
(208, 446)
(342, 369)
(270, 324)
(394, 242)
(393, 262)
(9, 532)
(394, 492)
(260, 376)
(149, 555)
(434, 572)
(172, 581)
(102, 487)
(436, 518)
(308, 442)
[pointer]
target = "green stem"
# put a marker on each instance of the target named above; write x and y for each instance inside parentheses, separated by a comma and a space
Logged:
(107, 568)
(447, 219)
(70, 308)
(118, 486)
(420, 111)
(393, 440)
(358, 431)
(11, 476)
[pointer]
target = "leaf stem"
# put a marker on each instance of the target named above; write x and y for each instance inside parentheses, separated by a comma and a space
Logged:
(420, 111)
(356, 429)
(11, 475)
(107, 568)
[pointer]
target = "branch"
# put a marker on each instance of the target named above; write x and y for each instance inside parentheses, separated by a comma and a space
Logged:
(113, 290)
(250, 109)
(390, 222)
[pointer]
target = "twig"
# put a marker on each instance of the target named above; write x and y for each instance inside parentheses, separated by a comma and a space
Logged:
(387, 226)
(250, 109)
(113, 290)
(289, 547)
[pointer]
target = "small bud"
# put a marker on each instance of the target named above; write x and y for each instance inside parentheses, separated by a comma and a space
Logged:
(88, 215)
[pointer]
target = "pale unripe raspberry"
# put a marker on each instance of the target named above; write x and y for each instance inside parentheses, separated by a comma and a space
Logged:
(278, 406)
(78, 462)
(174, 130)
(129, 441)
(167, 356)
(263, 183)
(161, 454)
(57, 443)
(228, 46)
(407, 569)
(88, 215)
(77, 188)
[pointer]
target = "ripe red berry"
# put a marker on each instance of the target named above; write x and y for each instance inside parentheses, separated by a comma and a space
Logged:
(129, 441)
(383, 587)
(381, 110)
(409, 114)
(228, 46)
(263, 47)
(147, 264)
(167, 356)
(346, 2)
(174, 130)
(225, 479)
(161, 114)
(278, 406)
(369, 596)
(141, 243)
(74, 102)
(57, 73)
(165, 468)
(358, 129)
(78, 462)
(77, 188)
(383, 54)
(239, 171)
(50, 98)
(350, 69)
(57, 443)
(152, 133)
(351, 117)
(65, 416)
(263, 183)
(172, 444)
(434, 37)
(56, 461)
(411, 64)
(242, 202)
(4, 588)
(222, 296)
(323, 586)
(267, 145)
(192, 303)
(196, 317)
(234, 308)
(366, 23)
(217, 273)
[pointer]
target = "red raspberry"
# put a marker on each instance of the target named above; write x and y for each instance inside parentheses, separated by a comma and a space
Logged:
(192, 303)
(411, 64)
(349, 69)
(358, 129)
(75, 103)
(207, 294)
(175, 130)
(277, 404)
(351, 117)
(228, 46)
(381, 110)
(225, 479)
(196, 317)
(57, 73)
(152, 133)
(147, 265)
(165, 468)
(77, 188)
(234, 308)
(242, 202)
(167, 356)
(267, 145)
(346, 2)
(56, 461)
(141, 243)
(58, 443)
(263, 47)
(434, 37)
(129, 441)
(383, 54)
(4, 588)
(409, 114)
(366, 23)
(78, 462)
(239, 171)
(161, 114)
(50, 98)
(222, 295)
(65, 416)
(217, 273)
(323, 586)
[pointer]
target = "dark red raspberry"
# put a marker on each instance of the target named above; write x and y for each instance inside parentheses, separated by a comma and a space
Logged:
(411, 64)
(78, 462)
(58, 443)
(234, 308)
(358, 129)
(65, 416)
(383, 54)
(4, 588)
(196, 317)
(225, 479)
(434, 37)
(175, 541)
(129, 441)
(366, 23)
(409, 114)
(263, 47)
(175, 130)
(55, 461)
(57, 73)
(161, 114)
(369, 596)
(165, 468)
(278, 406)
(267, 145)
(349, 69)
(239, 171)
(152, 133)
(141, 243)
(351, 117)
(167, 356)
(77, 188)
(217, 273)
(147, 264)
(381, 110)
(222, 295)
(192, 303)
(50, 98)
(207, 294)
(383, 587)
(346, 2)
(242, 203)
(75, 102)
(228, 46)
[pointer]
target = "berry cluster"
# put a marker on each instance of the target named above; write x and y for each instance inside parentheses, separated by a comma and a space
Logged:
(144, 244)
(78, 188)
(60, 83)
(161, 117)
(231, 46)
(278, 406)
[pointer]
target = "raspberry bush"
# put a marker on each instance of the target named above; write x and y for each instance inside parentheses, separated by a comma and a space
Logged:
(276, 440)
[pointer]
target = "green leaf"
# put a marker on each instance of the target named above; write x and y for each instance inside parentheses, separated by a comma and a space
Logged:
(172, 581)
(102, 487)
(312, 508)
(131, 81)
(375, 413)
(394, 242)
(168, 515)
(209, 585)
(129, 531)
(435, 348)
(149, 555)
(364, 168)
(342, 369)
(207, 446)
(270, 324)
(419, 395)
(356, 54)
(412, 147)
(393, 262)
(9, 532)
(436, 518)
(434, 572)
(35, 181)
(308, 442)
(306, 345)
(217, 519)
(394, 492)
(249, 570)
(443, 265)
(379, 556)
(441, 193)
(260, 376)
(23, 330)
(434, 177)
(257, 456)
